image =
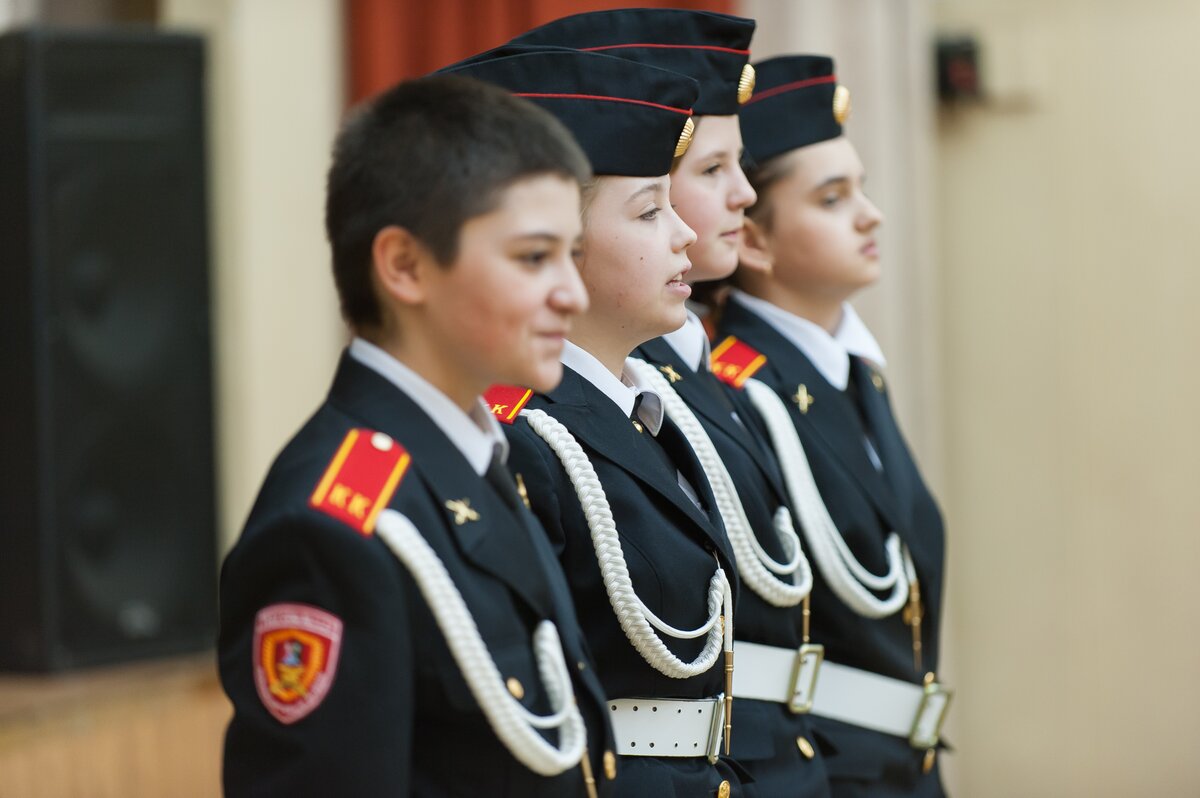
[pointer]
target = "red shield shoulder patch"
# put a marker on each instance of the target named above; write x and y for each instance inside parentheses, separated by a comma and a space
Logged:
(506, 401)
(296, 649)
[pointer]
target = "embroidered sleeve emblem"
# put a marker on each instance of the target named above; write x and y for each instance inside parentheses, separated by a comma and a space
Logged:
(296, 649)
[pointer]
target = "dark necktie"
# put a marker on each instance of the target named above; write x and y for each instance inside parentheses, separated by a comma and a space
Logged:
(856, 388)
(501, 480)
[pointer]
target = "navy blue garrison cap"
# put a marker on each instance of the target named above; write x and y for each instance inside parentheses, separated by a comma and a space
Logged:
(712, 48)
(797, 102)
(631, 119)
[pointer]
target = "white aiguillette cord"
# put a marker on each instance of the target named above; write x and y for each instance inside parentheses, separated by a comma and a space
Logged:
(756, 567)
(636, 619)
(512, 722)
(847, 577)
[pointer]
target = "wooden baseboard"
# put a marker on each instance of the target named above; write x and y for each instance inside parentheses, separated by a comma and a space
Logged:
(145, 730)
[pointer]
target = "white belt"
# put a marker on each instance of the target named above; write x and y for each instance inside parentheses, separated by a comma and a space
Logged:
(668, 726)
(783, 675)
(881, 703)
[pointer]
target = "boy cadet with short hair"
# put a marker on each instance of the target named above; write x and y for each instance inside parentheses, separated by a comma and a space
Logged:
(392, 618)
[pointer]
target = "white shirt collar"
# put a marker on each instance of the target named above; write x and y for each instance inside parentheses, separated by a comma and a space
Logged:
(623, 392)
(690, 342)
(476, 434)
(830, 354)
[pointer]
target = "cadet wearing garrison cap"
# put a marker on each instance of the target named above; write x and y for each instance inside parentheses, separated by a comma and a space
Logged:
(712, 48)
(874, 531)
(619, 492)
(774, 740)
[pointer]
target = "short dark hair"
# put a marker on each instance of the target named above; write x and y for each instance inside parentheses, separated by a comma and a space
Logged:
(428, 155)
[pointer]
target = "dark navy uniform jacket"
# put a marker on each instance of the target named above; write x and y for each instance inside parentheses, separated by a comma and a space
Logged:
(398, 718)
(866, 505)
(765, 733)
(672, 549)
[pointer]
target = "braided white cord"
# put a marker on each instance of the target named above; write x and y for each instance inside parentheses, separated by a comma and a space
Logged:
(512, 722)
(845, 574)
(636, 619)
(754, 564)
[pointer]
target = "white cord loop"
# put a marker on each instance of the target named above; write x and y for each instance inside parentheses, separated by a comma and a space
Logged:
(847, 577)
(512, 722)
(636, 619)
(758, 570)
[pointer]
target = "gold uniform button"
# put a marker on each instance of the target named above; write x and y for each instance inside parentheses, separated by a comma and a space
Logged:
(930, 759)
(610, 765)
(515, 687)
(723, 790)
(805, 747)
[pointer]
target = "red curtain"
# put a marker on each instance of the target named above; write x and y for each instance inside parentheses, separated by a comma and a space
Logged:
(389, 40)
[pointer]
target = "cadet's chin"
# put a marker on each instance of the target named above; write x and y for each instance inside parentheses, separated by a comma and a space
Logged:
(545, 377)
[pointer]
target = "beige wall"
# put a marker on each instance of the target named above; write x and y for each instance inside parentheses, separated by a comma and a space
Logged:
(275, 98)
(1068, 254)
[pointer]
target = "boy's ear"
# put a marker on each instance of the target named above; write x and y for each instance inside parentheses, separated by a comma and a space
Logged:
(397, 260)
(754, 251)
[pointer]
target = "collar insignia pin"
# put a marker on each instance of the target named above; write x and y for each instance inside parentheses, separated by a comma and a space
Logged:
(671, 373)
(803, 399)
(463, 512)
(524, 494)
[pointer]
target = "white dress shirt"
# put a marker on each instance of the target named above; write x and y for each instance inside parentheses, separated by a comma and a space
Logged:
(623, 392)
(476, 434)
(829, 353)
(690, 342)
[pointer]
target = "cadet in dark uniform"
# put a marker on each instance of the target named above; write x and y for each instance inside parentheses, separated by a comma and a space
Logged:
(710, 192)
(617, 488)
(871, 526)
(393, 621)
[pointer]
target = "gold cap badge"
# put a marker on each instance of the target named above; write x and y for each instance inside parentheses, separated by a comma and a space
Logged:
(685, 138)
(746, 84)
(841, 104)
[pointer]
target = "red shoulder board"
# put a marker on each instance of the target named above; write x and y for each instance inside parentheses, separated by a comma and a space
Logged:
(733, 362)
(506, 401)
(361, 479)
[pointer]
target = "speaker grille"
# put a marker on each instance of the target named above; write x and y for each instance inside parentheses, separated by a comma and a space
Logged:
(122, 560)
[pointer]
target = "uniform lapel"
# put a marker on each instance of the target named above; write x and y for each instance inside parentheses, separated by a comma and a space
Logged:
(594, 420)
(702, 392)
(831, 420)
(492, 537)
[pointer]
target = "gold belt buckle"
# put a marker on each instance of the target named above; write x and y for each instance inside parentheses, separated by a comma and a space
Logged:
(804, 677)
(931, 713)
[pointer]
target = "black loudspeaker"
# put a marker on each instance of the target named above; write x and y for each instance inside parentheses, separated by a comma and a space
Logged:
(107, 516)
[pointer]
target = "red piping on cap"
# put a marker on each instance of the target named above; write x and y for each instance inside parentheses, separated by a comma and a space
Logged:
(684, 111)
(799, 84)
(668, 47)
